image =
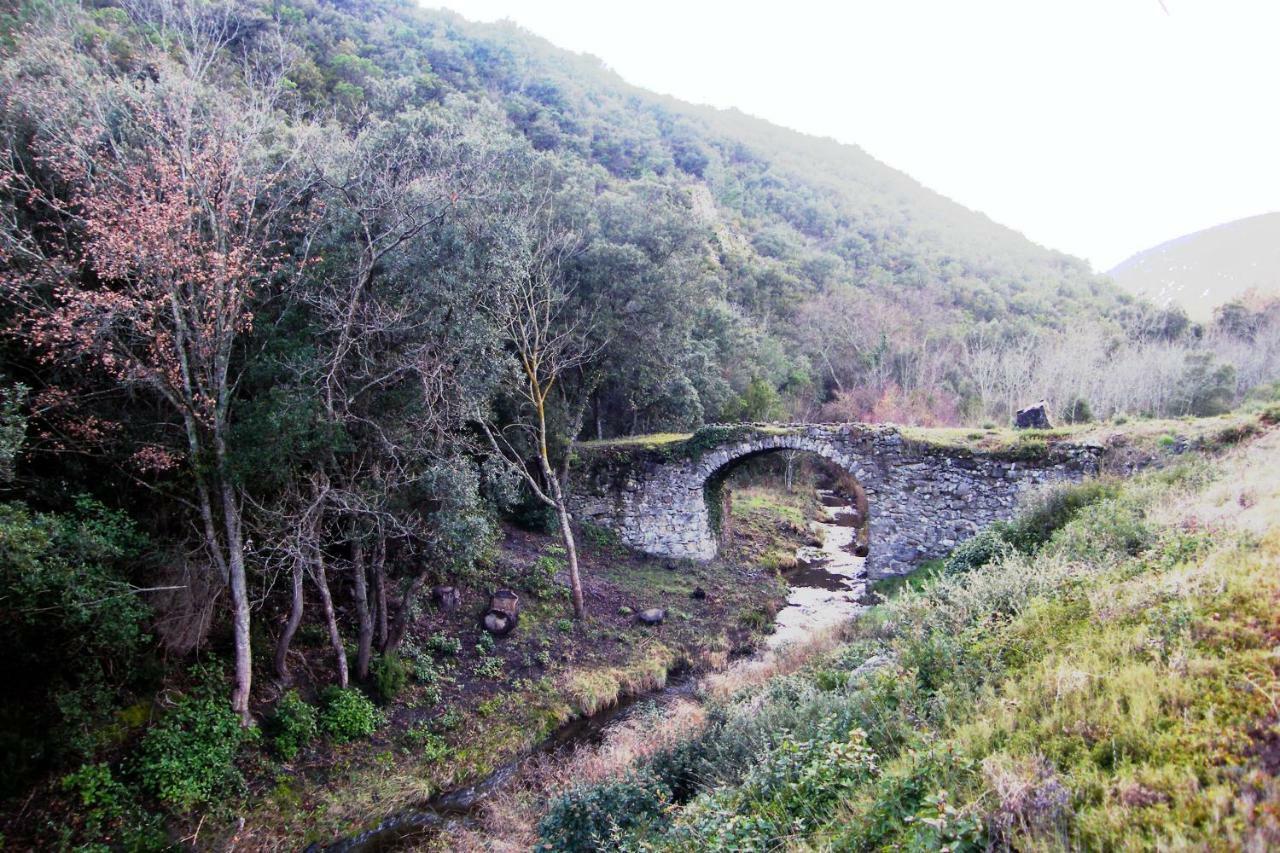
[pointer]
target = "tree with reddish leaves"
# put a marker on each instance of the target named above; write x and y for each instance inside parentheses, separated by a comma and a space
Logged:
(162, 244)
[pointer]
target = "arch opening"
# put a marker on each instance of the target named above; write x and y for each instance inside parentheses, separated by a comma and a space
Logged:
(835, 491)
(786, 456)
(805, 517)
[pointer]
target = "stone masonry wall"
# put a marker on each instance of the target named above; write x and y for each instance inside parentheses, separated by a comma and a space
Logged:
(923, 499)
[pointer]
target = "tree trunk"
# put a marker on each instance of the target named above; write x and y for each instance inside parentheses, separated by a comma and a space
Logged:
(290, 626)
(364, 640)
(380, 589)
(401, 625)
(239, 605)
(335, 638)
(570, 547)
(575, 580)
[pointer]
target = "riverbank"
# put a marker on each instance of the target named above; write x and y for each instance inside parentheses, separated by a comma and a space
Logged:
(480, 705)
(826, 587)
(1101, 675)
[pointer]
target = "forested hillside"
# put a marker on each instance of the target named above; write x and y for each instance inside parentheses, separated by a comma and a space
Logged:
(305, 304)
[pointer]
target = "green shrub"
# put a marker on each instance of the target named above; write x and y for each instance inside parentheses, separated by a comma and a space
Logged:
(423, 668)
(106, 808)
(489, 667)
(426, 743)
(887, 587)
(447, 721)
(1052, 509)
(1025, 449)
(755, 618)
(292, 726)
(974, 553)
(485, 644)
(564, 626)
(600, 537)
(679, 769)
(98, 792)
(443, 644)
(1234, 434)
(592, 818)
(188, 758)
(73, 633)
(390, 675)
(1109, 530)
(540, 579)
(348, 715)
(1077, 411)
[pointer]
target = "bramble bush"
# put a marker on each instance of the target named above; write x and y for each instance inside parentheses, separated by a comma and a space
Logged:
(1033, 528)
(187, 759)
(348, 715)
(987, 547)
(292, 726)
(592, 818)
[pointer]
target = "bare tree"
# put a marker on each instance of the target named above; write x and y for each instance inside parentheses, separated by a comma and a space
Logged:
(550, 338)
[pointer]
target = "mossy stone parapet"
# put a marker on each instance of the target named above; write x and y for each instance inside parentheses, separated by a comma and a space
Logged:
(924, 498)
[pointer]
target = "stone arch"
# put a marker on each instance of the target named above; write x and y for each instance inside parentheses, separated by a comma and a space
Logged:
(715, 470)
(924, 498)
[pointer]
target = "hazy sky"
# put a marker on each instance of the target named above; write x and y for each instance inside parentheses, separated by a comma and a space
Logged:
(1099, 127)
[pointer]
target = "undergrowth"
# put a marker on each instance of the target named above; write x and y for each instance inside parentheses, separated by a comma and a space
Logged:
(1099, 674)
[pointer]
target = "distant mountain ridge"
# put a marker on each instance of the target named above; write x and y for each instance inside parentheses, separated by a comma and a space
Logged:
(1205, 269)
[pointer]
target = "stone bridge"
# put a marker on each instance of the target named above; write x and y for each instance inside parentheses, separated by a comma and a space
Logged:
(924, 496)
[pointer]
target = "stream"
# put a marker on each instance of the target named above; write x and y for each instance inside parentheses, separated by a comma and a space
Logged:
(829, 585)
(827, 588)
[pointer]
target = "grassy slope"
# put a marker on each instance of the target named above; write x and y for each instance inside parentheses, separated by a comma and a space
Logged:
(1134, 703)
(1119, 689)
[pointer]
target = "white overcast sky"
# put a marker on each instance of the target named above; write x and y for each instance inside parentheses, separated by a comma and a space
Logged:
(1098, 127)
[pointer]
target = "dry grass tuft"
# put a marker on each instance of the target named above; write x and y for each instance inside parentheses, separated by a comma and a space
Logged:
(754, 671)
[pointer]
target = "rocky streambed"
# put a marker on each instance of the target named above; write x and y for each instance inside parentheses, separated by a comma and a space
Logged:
(829, 585)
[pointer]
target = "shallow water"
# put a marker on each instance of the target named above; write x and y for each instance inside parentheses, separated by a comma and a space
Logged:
(828, 586)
